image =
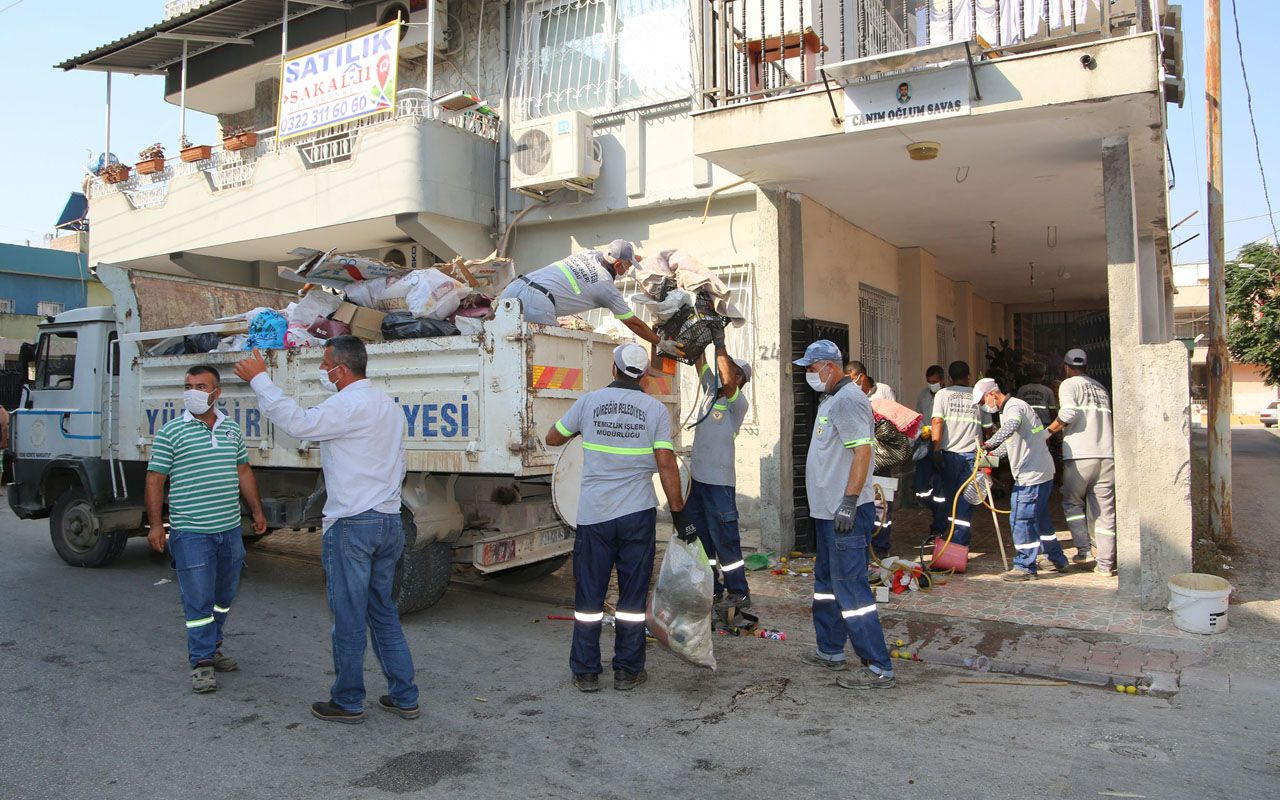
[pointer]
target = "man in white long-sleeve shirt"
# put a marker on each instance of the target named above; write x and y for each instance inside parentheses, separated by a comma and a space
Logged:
(361, 436)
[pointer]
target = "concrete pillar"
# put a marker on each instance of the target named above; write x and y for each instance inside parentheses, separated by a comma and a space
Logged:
(918, 310)
(964, 329)
(778, 270)
(1149, 387)
(1151, 292)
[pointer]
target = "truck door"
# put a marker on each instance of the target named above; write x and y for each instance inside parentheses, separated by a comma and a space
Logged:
(63, 419)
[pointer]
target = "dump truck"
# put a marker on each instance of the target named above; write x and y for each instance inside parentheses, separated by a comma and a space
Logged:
(478, 489)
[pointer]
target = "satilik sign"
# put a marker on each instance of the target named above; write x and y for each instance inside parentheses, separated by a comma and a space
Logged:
(904, 99)
(338, 84)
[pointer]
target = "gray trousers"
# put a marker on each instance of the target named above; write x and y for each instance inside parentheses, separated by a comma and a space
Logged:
(537, 307)
(1089, 500)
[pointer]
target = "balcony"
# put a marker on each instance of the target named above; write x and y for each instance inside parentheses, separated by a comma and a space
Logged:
(364, 183)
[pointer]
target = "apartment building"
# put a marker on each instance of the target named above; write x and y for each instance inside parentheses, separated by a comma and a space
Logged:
(915, 179)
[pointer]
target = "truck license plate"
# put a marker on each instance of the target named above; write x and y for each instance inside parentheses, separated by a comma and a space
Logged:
(551, 537)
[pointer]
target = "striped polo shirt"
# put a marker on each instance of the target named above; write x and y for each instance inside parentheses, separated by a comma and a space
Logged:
(204, 484)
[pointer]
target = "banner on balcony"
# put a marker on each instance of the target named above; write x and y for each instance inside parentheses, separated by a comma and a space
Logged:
(338, 84)
(902, 99)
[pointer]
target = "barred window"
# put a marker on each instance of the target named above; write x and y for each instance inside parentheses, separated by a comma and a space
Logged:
(879, 336)
(946, 342)
(596, 56)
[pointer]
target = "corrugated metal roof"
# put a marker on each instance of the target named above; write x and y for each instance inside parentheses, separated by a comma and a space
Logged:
(14, 258)
(144, 52)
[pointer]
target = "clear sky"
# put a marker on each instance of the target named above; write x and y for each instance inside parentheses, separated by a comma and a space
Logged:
(53, 121)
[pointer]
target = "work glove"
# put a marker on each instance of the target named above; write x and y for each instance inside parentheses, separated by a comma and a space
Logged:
(669, 348)
(845, 514)
(717, 335)
(686, 531)
(939, 463)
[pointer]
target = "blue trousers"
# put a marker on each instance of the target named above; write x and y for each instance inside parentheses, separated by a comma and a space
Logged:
(957, 467)
(844, 607)
(928, 492)
(208, 566)
(537, 307)
(627, 544)
(881, 539)
(360, 557)
(714, 510)
(1032, 529)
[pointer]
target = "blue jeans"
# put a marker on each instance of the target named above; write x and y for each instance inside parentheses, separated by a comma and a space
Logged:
(844, 607)
(208, 566)
(360, 557)
(928, 492)
(627, 543)
(714, 510)
(956, 469)
(535, 305)
(1032, 529)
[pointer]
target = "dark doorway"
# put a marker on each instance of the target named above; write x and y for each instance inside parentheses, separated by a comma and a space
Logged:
(805, 332)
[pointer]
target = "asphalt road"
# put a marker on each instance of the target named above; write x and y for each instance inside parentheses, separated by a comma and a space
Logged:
(95, 703)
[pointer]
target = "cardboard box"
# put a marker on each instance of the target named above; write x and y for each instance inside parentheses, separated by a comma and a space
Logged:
(365, 323)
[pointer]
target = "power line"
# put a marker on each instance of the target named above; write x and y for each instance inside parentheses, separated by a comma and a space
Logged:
(11, 5)
(1257, 146)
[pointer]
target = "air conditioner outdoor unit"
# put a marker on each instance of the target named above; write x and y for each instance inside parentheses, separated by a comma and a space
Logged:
(414, 35)
(409, 256)
(554, 152)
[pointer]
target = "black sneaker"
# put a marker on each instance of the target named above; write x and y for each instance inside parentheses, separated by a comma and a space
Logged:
(625, 681)
(742, 602)
(328, 712)
(404, 712)
(1061, 569)
(587, 682)
(814, 660)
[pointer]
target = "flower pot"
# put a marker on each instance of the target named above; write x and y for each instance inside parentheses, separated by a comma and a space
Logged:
(150, 166)
(241, 141)
(199, 152)
(115, 173)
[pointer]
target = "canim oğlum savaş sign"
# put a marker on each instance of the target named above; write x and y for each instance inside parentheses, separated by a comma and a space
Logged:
(912, 97)
(340, 83)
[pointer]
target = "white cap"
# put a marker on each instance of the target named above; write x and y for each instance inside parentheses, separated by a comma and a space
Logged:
(1076, 358)
(620, 250)
(982, 387)
(745, 366)
(631, 360)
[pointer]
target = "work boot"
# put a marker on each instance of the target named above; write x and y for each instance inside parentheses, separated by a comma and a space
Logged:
(865, 678)
(742, 602)
(1017, 575)
(404, 712)
(202, 678)
(329, 712)
(815, 660)
(587, 682)
(625, 681)
(224, 663)
(1061, 569)
(1081, 557)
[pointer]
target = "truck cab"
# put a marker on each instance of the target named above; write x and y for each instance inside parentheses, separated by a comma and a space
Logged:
(62, 438)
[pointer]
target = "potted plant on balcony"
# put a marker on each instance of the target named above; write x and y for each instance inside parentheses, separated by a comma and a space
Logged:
(151, 160)
(240, 139)
(115, 173)
(191, 153)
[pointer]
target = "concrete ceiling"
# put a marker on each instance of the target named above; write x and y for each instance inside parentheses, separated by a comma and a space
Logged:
(1025, 169)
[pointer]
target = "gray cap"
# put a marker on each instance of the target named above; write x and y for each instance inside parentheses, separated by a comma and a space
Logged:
(745, 366)
(620, 250)
(1076, 358)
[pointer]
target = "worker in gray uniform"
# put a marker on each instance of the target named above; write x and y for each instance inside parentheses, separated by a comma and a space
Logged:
(1037, 395)
(1022, 440)
(1088, 462)
(928, 490)
(626, 437)
(956, 428)
(581, 282)
(712, 504)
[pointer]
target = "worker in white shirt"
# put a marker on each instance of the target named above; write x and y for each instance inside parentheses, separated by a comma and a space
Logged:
(857, 372)
(956, 428)
(361, 436)
(1088, 462)
(928, 491)
(1037, 395)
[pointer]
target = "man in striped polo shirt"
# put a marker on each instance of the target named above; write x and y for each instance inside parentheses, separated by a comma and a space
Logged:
(202, 456)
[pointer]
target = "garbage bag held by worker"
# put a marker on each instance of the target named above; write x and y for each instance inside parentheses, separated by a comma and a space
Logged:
(680, 608)
(892, 447)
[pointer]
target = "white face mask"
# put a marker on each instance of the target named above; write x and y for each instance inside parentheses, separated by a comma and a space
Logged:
(991, 409)
(196, 401)
(815, 381)
(328, 384)
(935, 387)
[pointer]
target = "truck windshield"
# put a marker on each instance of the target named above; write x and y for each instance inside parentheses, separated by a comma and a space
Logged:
(56, 361)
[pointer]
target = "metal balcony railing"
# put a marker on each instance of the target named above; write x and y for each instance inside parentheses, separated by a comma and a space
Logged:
(229, 169)
(758, 49)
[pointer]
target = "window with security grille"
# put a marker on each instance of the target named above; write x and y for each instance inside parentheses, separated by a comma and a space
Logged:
(980, 345)
(8, 306)
(48, 308)
(946, 342)
(879, 336)
(598, 56)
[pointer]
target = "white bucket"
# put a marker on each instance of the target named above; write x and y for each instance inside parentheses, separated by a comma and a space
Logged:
(1199, 602)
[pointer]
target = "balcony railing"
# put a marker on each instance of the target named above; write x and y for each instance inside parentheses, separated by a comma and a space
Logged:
(229, 169)
(758, 49)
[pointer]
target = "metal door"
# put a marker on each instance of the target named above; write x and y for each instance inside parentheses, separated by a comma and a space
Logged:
(805, 332)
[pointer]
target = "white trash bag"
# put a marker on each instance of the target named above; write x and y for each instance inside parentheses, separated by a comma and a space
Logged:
(680, 608)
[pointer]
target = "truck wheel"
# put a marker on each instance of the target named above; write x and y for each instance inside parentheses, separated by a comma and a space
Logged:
(422, 576)
(76, 535)
(531, 572)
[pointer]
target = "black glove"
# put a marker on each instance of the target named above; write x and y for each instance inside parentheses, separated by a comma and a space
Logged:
(686, 531)
(939, 463)
(717, 335)
(845, 514)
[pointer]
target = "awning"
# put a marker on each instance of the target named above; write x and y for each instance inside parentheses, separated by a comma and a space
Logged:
(219, 22)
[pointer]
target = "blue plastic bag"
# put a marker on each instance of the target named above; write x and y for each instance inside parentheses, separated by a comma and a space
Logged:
(267, 331)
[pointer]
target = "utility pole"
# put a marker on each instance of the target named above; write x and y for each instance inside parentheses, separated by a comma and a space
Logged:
(1219, 360)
